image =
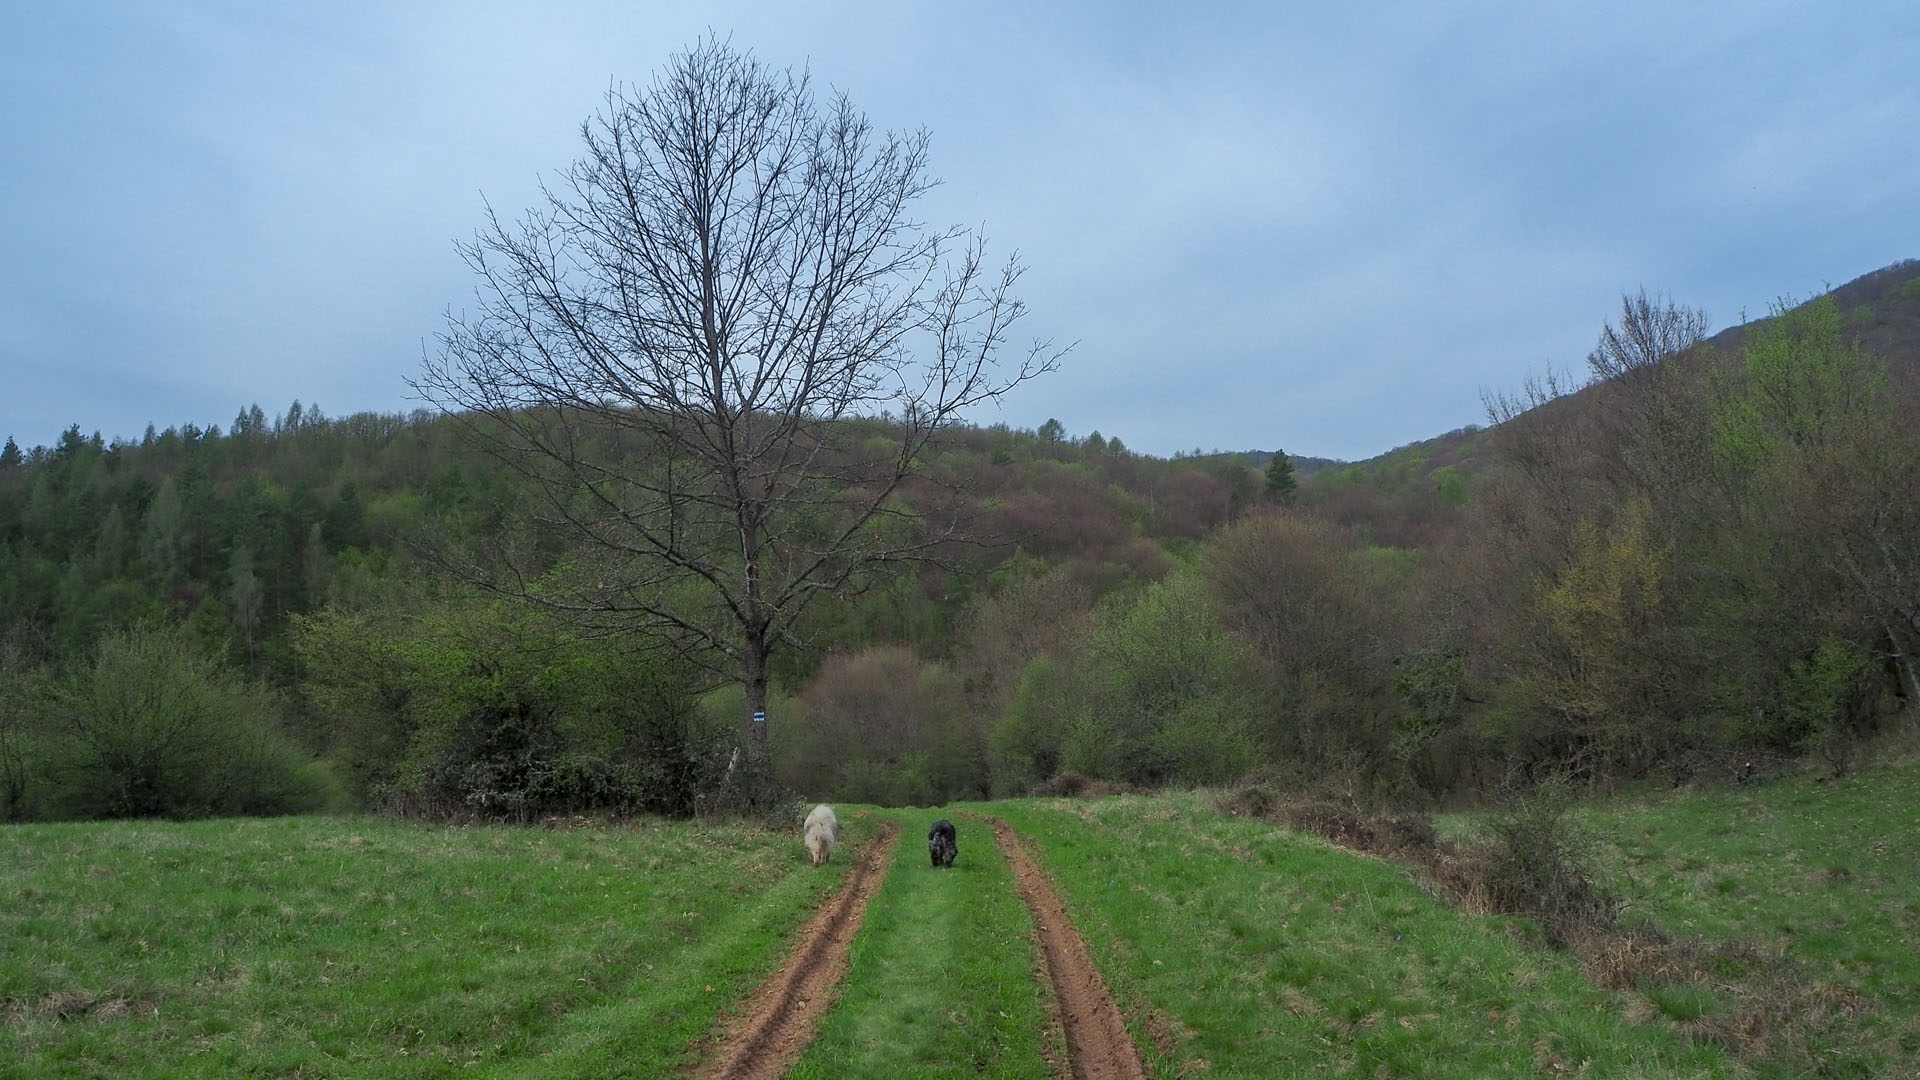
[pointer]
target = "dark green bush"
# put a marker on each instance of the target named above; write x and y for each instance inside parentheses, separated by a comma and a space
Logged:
(480, 711)
(1024, 747)
(156, 727)
(1828, 701)
(22, 697)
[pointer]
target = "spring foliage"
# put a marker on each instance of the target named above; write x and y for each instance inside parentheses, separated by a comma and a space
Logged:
(152, 726)
(1698, 559)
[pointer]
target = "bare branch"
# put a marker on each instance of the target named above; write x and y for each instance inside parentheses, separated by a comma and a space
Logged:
(673, 349)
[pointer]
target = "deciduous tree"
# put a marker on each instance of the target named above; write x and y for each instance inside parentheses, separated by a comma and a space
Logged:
(670, 349)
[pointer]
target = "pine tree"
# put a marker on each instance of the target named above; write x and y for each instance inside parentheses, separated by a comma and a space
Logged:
(1280, 479)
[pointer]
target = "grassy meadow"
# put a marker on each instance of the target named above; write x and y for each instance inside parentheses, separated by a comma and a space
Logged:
(1818, 879)
(359, 947)
(1245, 950)
(942, 979)
(347, 947)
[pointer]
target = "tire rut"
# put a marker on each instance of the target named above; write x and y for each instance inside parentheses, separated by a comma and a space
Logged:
(1098, 1045)
(783, 1015)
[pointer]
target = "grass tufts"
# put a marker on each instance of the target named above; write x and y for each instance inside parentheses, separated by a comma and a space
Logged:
(941, 981)
(355, 947)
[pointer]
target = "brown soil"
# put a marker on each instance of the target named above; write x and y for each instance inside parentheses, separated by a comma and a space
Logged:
(1097, 1039)
(782, 1016)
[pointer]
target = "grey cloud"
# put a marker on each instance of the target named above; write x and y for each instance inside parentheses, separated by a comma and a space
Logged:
(1324, 229)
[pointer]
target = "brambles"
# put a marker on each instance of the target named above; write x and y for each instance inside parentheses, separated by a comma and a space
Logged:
(1530, 859)
(1535, 859)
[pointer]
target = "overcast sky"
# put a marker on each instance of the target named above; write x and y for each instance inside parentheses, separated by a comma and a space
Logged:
(1320, 227)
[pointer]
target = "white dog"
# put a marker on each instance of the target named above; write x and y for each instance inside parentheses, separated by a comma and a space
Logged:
(822, 831)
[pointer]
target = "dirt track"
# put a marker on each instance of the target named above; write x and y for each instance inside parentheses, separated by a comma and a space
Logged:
(784, 1013)
(1097, 1039)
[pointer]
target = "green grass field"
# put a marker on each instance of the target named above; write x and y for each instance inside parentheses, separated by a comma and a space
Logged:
(941, 980)
(357, 947)
(1825, 874)
(1249, 951)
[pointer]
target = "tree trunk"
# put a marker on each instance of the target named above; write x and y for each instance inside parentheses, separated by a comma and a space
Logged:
(759, 761)
(1905, 664)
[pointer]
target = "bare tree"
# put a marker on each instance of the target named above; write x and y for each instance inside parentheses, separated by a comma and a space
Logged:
(1633, 430)
(1644, 423)
(1651, 330)
(720, 351)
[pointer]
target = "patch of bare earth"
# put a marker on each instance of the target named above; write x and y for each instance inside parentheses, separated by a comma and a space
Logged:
(1097, 1041)
(783, 1015)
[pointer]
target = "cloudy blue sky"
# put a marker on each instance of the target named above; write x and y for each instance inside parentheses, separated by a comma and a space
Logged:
(1323, 227)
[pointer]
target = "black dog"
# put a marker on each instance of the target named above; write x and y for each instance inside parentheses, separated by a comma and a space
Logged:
(941, 844)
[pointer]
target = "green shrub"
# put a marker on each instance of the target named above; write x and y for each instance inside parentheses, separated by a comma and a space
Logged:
(1206, 742)
(1025, 746)
(1824, 701)
(1159, 670)
(1102, 741)
(1535, 863)
(156, 727)
(473, 710)
(22, 696)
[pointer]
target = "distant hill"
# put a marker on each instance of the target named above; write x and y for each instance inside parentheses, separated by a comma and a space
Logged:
(1882, 308)
(1303, 467)
(1395, 496)
(96, 535)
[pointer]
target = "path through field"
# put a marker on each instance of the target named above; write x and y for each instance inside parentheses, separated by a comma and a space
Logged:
(1097, 1041)
(784, 1013)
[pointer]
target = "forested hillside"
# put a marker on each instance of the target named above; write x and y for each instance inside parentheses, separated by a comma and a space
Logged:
(1699, 552)
(1705, 553)
(315, 566)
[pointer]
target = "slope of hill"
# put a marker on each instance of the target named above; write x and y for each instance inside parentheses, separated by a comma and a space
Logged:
(300, 551)
(1395, 495)
(1630, 583)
